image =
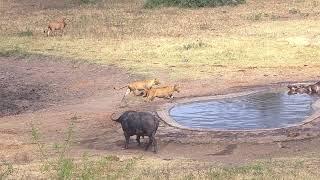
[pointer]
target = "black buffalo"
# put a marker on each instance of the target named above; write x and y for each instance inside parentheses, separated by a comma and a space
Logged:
(139, 124)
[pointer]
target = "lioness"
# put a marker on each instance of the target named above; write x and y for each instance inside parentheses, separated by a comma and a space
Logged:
(309, 89)
(302, 89)
(162, 92)
(56, 25)
(294, 89)
(314, 88)
(140, 86)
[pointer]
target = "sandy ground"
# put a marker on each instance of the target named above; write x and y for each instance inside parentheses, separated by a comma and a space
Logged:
(50, 92)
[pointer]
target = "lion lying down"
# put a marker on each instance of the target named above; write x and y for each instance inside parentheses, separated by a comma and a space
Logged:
(162, 92)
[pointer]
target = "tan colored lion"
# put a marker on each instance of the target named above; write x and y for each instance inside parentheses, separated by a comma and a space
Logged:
(140, 86)
(162, 92)
(56, 25)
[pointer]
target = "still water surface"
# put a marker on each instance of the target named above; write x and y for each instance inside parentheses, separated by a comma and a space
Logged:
(261, 110)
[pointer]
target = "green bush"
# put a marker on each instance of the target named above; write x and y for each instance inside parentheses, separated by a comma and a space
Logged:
(191, 3)
(88, 1)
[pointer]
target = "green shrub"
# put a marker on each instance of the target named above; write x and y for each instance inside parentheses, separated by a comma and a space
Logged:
(88, 1)
(191, 3)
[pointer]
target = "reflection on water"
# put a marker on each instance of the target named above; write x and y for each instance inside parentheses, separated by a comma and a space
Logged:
(255, 111)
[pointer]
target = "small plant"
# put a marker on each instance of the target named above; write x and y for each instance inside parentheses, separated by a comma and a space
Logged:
(194, 45)
(6, 169)
(36, 138)
(112, 158)
(25, 33)
(62, 167)
(255, 17)
(65, 168)
(294, 11)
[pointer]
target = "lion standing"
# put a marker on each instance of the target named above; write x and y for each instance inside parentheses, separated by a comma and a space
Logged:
(56, 25)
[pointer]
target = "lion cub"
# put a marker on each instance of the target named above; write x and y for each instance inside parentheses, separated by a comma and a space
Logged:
(162, 92)
(140, 86)
(56, 25)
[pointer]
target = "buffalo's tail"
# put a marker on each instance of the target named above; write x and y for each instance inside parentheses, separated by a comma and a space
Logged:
(111, 117)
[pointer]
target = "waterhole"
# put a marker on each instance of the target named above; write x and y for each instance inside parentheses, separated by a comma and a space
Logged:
(262, 110)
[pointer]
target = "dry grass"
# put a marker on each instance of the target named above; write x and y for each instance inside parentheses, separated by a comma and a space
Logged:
(257, 34)
(113, 167)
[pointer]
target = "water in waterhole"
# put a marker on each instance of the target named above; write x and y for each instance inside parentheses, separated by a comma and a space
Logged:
(261, 110)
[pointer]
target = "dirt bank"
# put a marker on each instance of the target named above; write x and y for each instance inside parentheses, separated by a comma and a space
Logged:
(50, 92)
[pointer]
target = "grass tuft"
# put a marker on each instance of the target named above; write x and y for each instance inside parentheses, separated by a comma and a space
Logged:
(25, 33)
(6, 169)
(65, 168)
(195, 45)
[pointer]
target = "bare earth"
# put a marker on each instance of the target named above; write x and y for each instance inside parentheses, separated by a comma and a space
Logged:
(50, 92)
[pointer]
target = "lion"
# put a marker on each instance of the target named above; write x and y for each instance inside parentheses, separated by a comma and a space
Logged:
(314, 88)
(301, 89)
(56, 25)
(140, 86)
(309, 89)
(162, 92)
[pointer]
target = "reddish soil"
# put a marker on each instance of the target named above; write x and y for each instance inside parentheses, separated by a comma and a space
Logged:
(53, 93)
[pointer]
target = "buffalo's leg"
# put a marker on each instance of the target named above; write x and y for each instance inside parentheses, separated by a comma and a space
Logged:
(127, 140)
(138, 140)
(149, 143)
(154, 143)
